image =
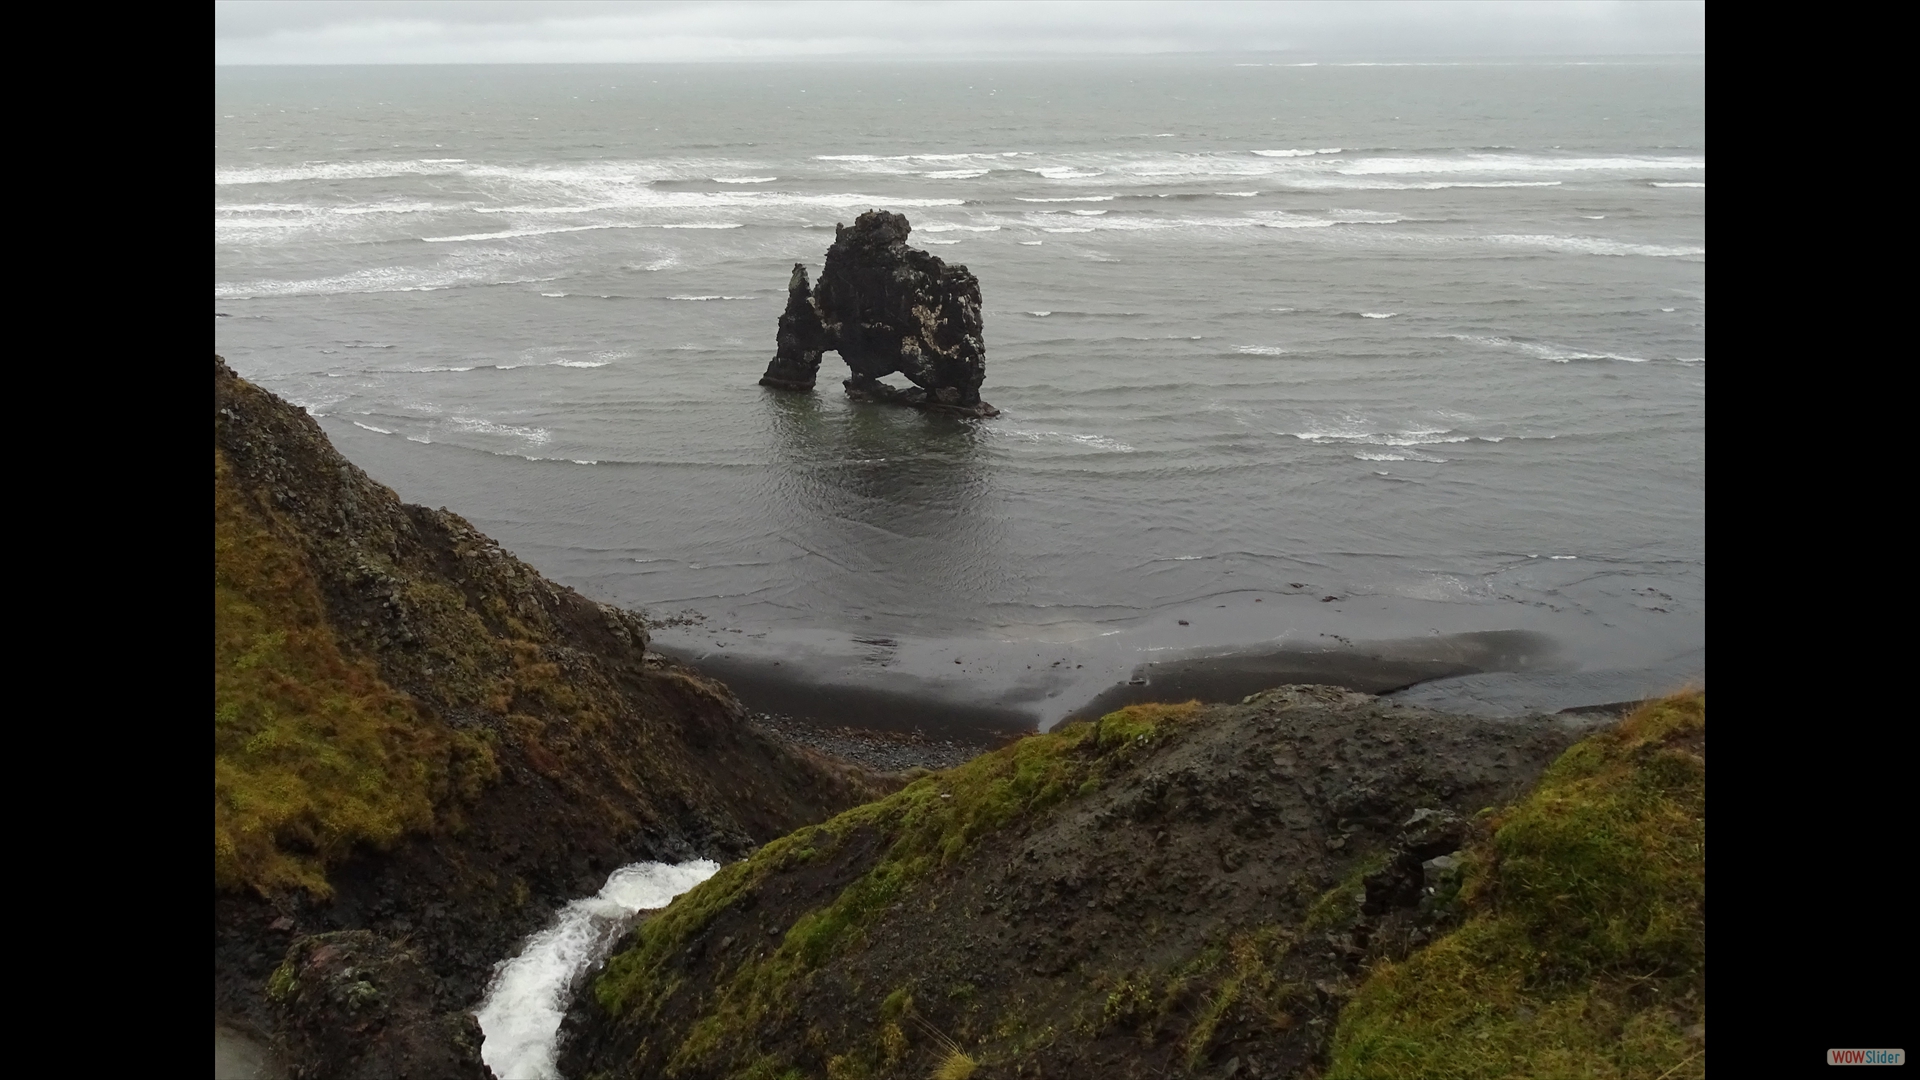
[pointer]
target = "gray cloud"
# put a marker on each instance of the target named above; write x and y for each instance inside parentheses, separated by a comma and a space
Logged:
(572, 31)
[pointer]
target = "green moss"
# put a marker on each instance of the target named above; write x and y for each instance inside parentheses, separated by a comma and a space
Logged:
(1138, 727)
(281, 983)
(1584, 949)
(313, 753)
(927, 825)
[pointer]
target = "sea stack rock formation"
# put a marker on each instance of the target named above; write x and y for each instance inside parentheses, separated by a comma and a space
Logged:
(885, 308)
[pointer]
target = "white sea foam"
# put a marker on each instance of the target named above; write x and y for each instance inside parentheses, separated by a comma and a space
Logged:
(1065, 172)
(534, 435)
(1238, 194)
(332, 170)
(1378, 314)
(578, 363)
(510, 234)
(1559, 354)
(370, 427)
(1094, 442)
(639, 199)
(298, 215)
(713, 297)
(1067, 230)
(1296, 153)
(1591, 245)
(520, 1015)
(1285, 219)
(550, 230)
(480, 267)
(744, 179)
(1563, 556)
(1031, 243)
(1679, 183)
(955, 174)
(1496, 164)
(1360, 435)
(1365, 456)
(914, 157)
(393, 208)
(956, 228)
(1261, 350)
(1071, 198)
(1039, 314)
(939, 241)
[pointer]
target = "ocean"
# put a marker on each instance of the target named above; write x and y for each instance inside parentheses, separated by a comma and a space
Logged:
(1372, 360)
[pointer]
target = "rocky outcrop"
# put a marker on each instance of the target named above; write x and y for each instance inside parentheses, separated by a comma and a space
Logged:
(355, 1006)
(419, 736)
(886, 308)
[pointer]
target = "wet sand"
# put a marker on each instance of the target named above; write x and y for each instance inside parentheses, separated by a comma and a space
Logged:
(981, 693)
(880, 750)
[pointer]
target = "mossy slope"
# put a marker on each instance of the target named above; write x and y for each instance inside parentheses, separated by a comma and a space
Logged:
(417, 733)
(1129, 897)
(1584, 952)
(313, 753)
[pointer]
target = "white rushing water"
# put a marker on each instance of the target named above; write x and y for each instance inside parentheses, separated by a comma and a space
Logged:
(520, 1017)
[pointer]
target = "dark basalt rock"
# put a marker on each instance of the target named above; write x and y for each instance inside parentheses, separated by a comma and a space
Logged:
(796, 361)
(885, 308)
(355, 1006)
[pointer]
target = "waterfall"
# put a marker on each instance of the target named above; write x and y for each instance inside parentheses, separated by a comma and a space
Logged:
(520, 1016)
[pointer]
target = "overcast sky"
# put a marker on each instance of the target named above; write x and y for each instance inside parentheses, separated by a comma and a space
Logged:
(624, 31)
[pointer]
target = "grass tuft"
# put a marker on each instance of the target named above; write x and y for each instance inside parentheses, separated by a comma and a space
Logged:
(957, 1065)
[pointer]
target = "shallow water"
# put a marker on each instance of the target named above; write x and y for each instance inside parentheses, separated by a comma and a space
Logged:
(1426, 340)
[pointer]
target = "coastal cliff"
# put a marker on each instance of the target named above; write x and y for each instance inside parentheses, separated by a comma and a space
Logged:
(1311, 883)
(418, 736)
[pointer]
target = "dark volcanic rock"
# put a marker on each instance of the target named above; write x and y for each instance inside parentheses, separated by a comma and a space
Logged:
(885, 308)
(355, 1005)
(796, 363)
